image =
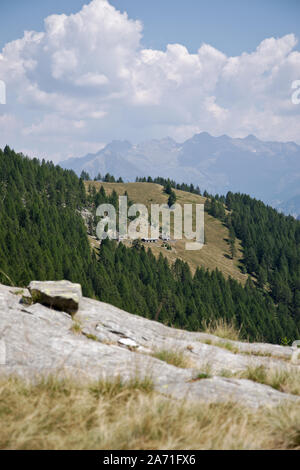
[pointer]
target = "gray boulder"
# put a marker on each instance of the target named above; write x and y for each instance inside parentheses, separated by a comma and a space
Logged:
(60, 295)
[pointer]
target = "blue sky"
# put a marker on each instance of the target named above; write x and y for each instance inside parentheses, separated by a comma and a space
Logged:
(92, 71)
(232, 26)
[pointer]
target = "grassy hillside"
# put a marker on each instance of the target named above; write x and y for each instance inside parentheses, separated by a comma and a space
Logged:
(215, 253)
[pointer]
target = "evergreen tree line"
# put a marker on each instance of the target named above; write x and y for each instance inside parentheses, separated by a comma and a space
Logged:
(134, 280)
(108, 178)
(271, 247)
(42, 234)
(271, 243)
(190, 188)
(165, 182)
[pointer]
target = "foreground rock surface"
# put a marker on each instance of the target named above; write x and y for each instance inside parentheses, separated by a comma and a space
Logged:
(102, 341)
(60, 295)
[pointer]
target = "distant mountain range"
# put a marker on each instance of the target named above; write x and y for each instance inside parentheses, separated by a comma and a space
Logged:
(266, 170)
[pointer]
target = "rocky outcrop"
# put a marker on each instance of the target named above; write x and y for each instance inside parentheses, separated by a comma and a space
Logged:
(102, 341)
(60, 295)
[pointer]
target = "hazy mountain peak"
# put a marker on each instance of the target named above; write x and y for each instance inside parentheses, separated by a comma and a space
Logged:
(119, 146)
(266, 170)
(202, 136)
(251, 138)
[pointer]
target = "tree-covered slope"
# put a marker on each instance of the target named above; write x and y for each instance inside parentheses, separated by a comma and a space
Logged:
(42, 236)
(41, 233)
(271, 243)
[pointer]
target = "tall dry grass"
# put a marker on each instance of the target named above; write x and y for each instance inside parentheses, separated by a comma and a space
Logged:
(223, 329)
(176, 358)
(284, 380)
(56, 414)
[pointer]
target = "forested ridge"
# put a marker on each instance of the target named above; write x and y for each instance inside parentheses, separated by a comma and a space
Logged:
(271, 247)
(271, 243)
(42, 236)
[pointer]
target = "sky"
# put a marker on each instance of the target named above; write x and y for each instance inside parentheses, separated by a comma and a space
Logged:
(233, 26)
(81, 73)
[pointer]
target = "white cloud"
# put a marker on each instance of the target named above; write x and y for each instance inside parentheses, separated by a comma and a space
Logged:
(92, 79)
(87, 79)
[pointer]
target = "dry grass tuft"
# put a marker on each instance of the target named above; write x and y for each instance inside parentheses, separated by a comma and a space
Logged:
(76, 328)
(229, 346)
(283, 380)
(90, 336)
(175, 358)
(63, 414)
(223, 329)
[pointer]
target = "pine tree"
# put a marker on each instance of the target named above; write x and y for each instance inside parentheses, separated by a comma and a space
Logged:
(172, 199)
